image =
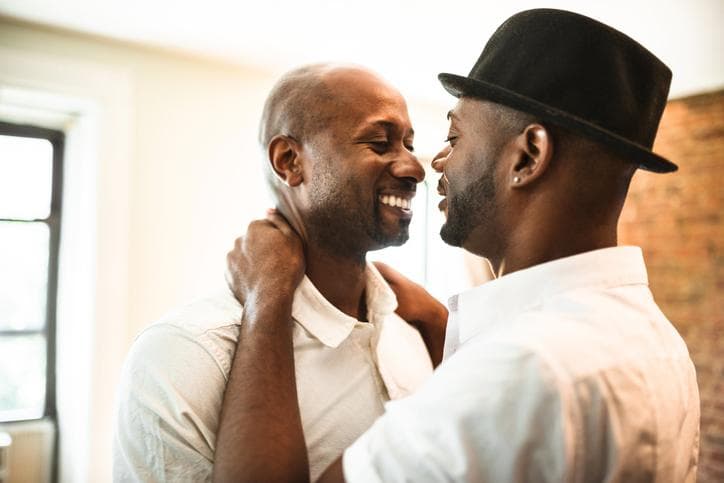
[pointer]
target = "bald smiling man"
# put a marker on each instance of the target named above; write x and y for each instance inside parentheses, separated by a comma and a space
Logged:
(337, 145)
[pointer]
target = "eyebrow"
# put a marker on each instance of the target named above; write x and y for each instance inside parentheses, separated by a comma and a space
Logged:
(387, 126)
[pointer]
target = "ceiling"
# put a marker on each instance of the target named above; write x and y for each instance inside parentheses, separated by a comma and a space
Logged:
(407, 41)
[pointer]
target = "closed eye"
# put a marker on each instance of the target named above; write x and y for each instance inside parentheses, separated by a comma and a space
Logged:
(451, 140)
(379, 146)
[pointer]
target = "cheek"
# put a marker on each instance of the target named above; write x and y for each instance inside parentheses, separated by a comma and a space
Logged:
(459, 171)
(471, 166)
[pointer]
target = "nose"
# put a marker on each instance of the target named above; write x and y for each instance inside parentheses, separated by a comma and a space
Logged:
(407, 166)
(438, 162)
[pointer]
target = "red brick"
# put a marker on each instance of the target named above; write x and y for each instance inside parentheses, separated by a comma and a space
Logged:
(678, 220)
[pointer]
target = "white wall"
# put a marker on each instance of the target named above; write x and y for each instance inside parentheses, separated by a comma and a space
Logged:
(168, 178)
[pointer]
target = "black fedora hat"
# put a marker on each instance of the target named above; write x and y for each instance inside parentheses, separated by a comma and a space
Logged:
(577, 73)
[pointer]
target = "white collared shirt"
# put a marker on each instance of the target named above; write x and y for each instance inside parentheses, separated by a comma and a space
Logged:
(175, 374)
(563, 372)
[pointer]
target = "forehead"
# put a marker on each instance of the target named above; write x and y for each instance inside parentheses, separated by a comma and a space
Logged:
(362, 99)
(470, 112)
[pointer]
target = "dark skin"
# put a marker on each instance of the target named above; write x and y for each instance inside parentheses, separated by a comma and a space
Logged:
(378, 156)
(545, 208)
(371, 145)
(266, 331)
(374, 138)
(541, 194)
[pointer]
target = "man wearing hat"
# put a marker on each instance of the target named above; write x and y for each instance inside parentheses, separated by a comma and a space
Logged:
(561, 369)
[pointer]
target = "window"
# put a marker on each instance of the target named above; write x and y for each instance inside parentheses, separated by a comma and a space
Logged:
(30, 199)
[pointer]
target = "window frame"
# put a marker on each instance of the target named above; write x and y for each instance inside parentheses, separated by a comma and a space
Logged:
(53, 220)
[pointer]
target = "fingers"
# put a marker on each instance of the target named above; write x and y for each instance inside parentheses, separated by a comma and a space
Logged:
(388, 273)
(279, 222)
(259, 228)
(382, 267)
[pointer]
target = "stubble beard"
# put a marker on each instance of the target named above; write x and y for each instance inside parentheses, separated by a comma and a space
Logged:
(469, 209)
(343, 225)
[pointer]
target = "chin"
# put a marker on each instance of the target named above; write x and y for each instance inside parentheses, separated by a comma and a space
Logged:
(451, 235)
(387, 239)
(401, 239)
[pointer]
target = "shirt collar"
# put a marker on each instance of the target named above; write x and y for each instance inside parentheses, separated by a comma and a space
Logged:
(329, 324)
(502, 299)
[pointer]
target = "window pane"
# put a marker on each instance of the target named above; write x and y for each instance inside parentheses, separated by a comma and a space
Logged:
(22, 377)
(23, 275)
(26, 177)
(409, 259)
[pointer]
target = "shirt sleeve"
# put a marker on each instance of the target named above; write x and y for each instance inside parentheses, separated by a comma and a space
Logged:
(168, 408)
(492, 414)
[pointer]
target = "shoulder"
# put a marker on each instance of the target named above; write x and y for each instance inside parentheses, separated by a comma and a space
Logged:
(506, 365)
(216, 311)
(205, 330)
(172, 384)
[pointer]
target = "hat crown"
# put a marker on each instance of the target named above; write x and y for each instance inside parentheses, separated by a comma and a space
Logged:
(570, 68)
(580, 66)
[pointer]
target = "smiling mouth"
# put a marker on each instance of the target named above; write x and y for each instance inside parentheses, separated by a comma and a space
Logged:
(402, 202)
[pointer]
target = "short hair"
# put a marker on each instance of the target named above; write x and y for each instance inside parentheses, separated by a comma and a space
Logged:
(510, 121)
(601, 172)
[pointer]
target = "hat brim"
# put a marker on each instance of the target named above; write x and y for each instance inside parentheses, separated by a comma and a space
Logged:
(646, 159)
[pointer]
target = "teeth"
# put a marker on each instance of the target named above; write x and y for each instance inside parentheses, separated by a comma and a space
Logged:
(396, 201)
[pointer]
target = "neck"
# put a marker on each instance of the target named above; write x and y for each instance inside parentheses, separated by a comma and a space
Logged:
(542, 242)
(341, 280)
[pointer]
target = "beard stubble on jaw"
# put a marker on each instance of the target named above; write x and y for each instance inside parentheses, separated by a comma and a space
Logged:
(470, 208)
(343, 222)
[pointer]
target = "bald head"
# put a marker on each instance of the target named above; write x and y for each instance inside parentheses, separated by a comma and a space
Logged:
(296, 105)
(306, 100)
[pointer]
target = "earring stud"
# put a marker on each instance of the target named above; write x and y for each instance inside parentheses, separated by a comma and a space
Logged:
(516, 179)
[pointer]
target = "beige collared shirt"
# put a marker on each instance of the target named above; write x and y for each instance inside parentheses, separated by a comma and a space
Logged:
(563, 372)
(175, 374)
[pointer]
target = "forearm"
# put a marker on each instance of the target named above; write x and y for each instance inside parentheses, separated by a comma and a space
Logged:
(432, 325)
(260, 434)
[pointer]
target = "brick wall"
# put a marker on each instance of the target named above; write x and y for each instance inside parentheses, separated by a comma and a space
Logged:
(677, 219)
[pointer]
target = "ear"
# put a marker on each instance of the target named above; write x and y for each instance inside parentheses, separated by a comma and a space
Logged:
(534, 150)
(284, 156)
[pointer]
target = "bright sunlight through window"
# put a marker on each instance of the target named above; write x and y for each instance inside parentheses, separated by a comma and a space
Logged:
(28, 235)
